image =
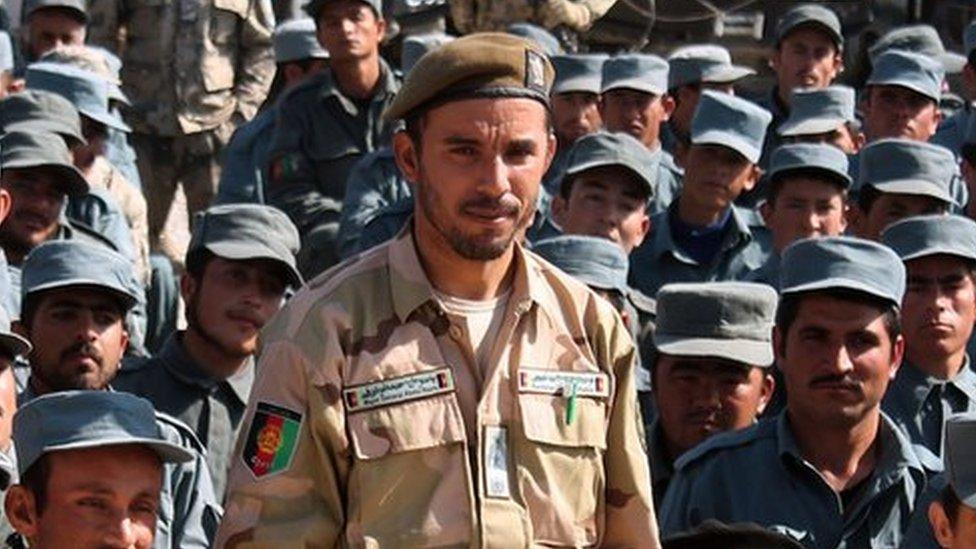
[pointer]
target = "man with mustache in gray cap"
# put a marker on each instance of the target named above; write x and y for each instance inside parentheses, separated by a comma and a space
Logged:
(74, 299)
(240, 262)
(831, 470)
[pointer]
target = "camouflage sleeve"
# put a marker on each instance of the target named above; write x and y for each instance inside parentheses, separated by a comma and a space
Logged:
(291, 464)
(105, 24)
(255, 62)
(373, 184)
(630, 518)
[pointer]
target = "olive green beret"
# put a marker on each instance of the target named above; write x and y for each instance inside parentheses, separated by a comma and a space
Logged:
(477, 65)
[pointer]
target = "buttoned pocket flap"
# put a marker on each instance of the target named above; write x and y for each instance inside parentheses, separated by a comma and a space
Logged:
(408, 426)
(551, 419)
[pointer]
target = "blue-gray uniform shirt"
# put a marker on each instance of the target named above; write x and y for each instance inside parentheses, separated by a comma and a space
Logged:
(919, 534)
(659, 260)
(952, 131)
(758, 475)
(178, 386)
(319, 135)
(374, 183)
(920, 404)
(245, 162)
(767, 274)
(122, 156)
(189, 510)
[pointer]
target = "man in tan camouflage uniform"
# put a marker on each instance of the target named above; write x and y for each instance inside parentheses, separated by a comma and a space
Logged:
(449, 388)
(194, 70)
(490, 15)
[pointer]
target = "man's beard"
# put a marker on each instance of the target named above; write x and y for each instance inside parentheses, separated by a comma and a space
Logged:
(57, 379)
(193, 323)
(471, 247)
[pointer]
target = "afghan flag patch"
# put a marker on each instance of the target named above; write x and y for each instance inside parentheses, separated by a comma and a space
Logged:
(272, 439)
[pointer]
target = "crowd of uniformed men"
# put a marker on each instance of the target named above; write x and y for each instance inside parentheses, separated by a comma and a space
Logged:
(487, 294)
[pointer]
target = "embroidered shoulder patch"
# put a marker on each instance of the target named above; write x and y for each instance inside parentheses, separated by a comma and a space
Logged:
(271, 440)
(398, 389)
(554, 382)
(535, 71)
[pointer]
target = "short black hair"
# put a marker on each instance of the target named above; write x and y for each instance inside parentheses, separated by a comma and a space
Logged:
(36, 479)
(789, 308)
(197, 261)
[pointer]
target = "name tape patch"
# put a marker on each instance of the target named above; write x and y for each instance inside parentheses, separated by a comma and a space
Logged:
(398, 389)
(553, 382)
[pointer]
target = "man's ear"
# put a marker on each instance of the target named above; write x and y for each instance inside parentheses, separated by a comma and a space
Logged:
(188, 286)
(941, 527)
(755, 174)
(407, 156)
(766, 393)
(766, 211)
(21, 509)
(668, 104)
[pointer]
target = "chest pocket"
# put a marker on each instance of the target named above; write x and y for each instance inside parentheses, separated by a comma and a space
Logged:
(410, 462)
(561, 477)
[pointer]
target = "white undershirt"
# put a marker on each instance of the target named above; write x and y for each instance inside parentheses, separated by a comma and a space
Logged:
(483, 319)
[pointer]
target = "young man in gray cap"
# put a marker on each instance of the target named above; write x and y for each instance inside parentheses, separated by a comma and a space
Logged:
(945, 516)
(328, 122)
(703, 236)
(239, 265)
(298, 55)
(634, 99)
(451, 325)
(824, 115)
(807, 198)
(938, 314)
(575, 108)
(710, 367)
(692, 69)
(606, 189)
(902, 96)
(51, 24)
(832, 469)
(75, 298)
(91, 471)
(899, 178)
(808, 53)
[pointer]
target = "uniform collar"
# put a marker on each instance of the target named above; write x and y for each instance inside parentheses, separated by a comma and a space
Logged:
(664, 239)
(411, 288)
(896, 450)
(389, 85)
(179, 363)
(913, 384)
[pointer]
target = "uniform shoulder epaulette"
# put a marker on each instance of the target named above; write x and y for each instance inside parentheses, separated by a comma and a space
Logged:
(668, 162)
(306, 86)
(726, 440)
(179, 433)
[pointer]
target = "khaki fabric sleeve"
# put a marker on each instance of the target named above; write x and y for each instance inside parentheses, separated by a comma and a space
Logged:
(630, 520)
(301, 504)
(255, 63)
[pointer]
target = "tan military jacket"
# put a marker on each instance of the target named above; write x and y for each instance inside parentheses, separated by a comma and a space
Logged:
(188, 65)
(496, 15)
(370, 425)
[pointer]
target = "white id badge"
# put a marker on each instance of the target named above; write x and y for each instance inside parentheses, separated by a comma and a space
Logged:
(495, 462)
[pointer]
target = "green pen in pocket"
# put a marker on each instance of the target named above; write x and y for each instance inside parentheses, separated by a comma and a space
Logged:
(571, 405)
